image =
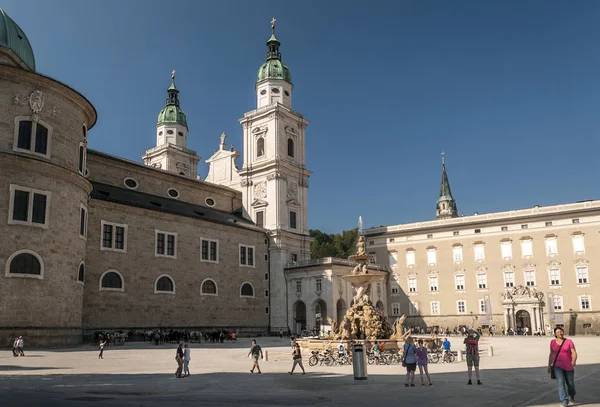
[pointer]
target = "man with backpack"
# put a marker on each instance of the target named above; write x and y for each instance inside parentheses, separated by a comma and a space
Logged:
(472, 348)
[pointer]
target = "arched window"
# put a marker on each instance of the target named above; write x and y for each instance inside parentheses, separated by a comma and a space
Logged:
(164, 284)
(290, 147)
(111, 280)
(25, 263)
(260, 147)
(209, 287)
(81, 273)
(247, 290)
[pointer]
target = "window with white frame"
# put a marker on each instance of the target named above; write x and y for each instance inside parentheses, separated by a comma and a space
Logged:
(373, 259)
(433, 283)
(551, 246)
(482, 307)
(166, 244)
(482, 281)
(298, 286)
(28, 206)
(82, 158)
(585, 303)
(393, 257)
(260, 219)
(530, 278)
(578, 244)
(506, 250)
(554, 276)
(459, 279)
(457, 254)
(114, 237)
(32, 136)
(410, 258)
(509, 279)
(435, 307)
(294, 257)
(246, 256)
(582, 275)
(319, 284)
(82, 221)
(461, 306)
(479, 252)
(557, 300)
(431, 257)
(209, 250)
(395, 289)
(413, 308)
(412, 284)
(395, 309)
(526, 248)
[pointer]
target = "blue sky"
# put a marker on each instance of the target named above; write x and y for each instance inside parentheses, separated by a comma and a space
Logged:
(509, 90)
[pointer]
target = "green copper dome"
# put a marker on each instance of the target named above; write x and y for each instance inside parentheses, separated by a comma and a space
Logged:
(13, 38)
(273, 68)
(172, 113)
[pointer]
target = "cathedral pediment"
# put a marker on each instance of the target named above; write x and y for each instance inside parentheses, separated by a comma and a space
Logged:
(258, 203)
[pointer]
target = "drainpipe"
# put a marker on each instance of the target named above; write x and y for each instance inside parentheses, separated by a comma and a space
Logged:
(269, 273)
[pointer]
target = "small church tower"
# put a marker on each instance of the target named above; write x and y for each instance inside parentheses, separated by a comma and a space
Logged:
(171, 152)
(446, 205)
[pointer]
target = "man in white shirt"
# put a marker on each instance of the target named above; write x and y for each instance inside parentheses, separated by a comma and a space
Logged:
(20, 346)
(186, 360)
(341, 349)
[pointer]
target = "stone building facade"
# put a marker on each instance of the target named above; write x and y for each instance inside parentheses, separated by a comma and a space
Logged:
(533, 268)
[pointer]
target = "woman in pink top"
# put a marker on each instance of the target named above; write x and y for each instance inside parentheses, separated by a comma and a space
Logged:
(562, 359)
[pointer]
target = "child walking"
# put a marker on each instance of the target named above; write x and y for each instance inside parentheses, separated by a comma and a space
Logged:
(422, 362)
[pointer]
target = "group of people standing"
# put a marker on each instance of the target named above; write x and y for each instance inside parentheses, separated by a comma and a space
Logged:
(17, 348)
(183, 357)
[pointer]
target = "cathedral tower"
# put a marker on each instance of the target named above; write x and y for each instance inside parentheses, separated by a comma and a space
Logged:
(171, 152)
(446, 205)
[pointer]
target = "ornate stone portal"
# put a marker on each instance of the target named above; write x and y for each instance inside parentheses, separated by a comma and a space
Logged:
(523, 307)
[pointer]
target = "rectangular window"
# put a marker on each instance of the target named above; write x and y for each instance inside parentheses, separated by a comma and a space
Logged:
(551, 247)
(209, 250)
(267, 310)
(41, 139)
(548, 223)
(165, 242)
(266, 276)
(260, 219)
(292, 220)
(413, 308)
(582, 275)
(558, 303)
(83, 222)
(430, 236)
(506, 250)
(435, 307)
(433, 283)
(482, 307)
(554, 276)
(24, 137)
(298, 287)
(578, 244)
(32, 137)
(114, 237)
(395, 309)
(482, 281)
(530, 278)
(247, 256)
(266, 293)
(461, 306)
(477, 230)
(319, 284)
(509, 279)
(575, 220)
(395, 289)
(585, 302)
(392, 240)
(266, 258)
(526, 248)
(456, 233)
(460, 282)
(431, 257)
(393, 258)
(524, 226)
(479, 252)
(410, 258)
(504, 228)
(412, 285)
(294, 257)
(457, 254)
(28, 206)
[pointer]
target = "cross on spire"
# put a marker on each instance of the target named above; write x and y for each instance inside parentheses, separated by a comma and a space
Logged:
(443, 157)
(173, 74)
(273, 23)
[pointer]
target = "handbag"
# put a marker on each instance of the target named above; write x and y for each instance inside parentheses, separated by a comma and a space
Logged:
(552, 375)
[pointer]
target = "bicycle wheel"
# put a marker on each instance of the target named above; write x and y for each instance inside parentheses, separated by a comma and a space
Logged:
(450, 358)
(313, 361)
(370, 360)
(435, 357)
(388, 359)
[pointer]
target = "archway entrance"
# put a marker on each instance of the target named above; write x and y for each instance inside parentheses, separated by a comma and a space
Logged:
(341, 310)
(523, 320)
(300, 316)
(320, 314)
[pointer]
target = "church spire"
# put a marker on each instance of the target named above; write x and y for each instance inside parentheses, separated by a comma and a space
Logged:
(273, 44)
(446, 206)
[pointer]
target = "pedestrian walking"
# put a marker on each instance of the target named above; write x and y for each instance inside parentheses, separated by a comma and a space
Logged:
(20, 346)
(280, 333)
(256, 352)
(15, 350)
(422, 362)
(561, 366)
(101, 347)
(472, 346)
(179, 358)
(186, 360)
(410, 362)
(297, 357)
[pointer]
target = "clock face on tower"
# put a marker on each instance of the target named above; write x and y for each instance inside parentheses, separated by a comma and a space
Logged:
(260, 190)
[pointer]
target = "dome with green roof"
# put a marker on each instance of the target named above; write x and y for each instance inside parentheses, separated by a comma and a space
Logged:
(13, 38)
(273, 68)
(172, 113)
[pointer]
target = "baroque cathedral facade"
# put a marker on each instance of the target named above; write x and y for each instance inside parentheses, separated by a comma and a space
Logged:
(97, 242)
